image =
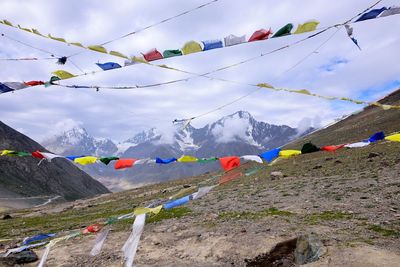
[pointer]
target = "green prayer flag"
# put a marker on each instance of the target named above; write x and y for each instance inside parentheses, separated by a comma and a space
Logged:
(107, 160)
(205, 160)
(172, 53)
(285, 30)
(23, 154)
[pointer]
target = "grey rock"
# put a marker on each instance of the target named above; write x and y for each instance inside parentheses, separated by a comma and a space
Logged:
(276, 175)
(22, 257)
(308, 249)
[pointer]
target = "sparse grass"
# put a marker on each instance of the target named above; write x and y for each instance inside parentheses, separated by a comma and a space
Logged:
(169, 214)
(328, 215)
(253, 215)
(384, 231)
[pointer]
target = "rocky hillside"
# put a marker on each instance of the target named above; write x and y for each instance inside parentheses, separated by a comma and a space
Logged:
(21, 176)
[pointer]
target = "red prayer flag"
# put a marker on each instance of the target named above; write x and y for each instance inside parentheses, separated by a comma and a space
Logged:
(331, 148)
(260, 35)
(37, 154)
(229, 163)
(94, 228)
(229, 176)
(124, 163)
(152, 55)
(34, 83)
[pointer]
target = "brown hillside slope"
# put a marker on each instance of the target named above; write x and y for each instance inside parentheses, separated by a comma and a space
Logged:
(358, 126)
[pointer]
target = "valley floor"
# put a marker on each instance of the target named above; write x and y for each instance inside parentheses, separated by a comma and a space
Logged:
(350, 200)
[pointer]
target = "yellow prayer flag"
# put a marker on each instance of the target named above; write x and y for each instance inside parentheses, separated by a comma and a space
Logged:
(191, 47)
(97, 48)
(57, 38)
(6, 152)
(393, 137)
(303, 91)
(25, 29)
(77, 44)
(86, 160)
(265, 85)
(142, 210)
(187, 159)
(7, 23)
(118, 54)
(289, 153)
(62, 74)
(307, 27)
(37, 32)
(139, 59)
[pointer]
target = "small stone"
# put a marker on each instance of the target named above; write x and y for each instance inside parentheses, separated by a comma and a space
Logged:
(243, 230)
(22, 257)
(373, 155)
(7, 217)
(338, 161)
(276, 175)
(317, 167)
(308, 249)
(186, 186)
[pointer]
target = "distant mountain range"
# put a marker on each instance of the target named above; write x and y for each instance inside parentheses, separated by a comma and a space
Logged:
(236, 134)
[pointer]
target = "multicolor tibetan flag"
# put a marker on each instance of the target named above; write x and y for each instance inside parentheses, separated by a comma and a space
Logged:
(289, 153)
(124, 163)
(371, 14)
(252, 158)
(229, 163)
(107, 160)
(270, 155)
(187, 159)
(393, 137)
(108, 65)
(332, 148)
(376, 137)
(307, 27)
(309, 148)
(152, 55)
(63, 75)
(177, 202)
(165, 161)
(260, 35)
(211, 44)
(86, 160)
(285, 30)
(172, 53)
(191, 47)
(234, 40)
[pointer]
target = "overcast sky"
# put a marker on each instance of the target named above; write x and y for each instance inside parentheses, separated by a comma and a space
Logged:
(338, 69)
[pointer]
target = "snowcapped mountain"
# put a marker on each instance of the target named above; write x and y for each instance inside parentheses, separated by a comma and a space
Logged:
(235, 134)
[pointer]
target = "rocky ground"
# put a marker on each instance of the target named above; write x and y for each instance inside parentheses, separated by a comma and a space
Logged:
(349, 199)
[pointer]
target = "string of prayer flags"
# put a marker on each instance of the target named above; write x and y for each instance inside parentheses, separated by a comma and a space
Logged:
(252, 158)
(172, 53)
(309, 148)
(289, 153)
(357, 144)
(144, 210)
(229, 163)
(152, 55)
(124, 163)
(107, 160)
(306, 27)
(230, 176)
(349, 31)
(259, 35)
(62, 74)
(38, 237)
(393, 137)
(191, 47)
(285, 30)
(270, 155)
(187, 159)
(376, 137)
(177, 202)
(206, 160)
(332, 148)
(108, 65)
(211, 44)
(130, 246)
(371, 14)
(86, 160)
(231, 40)
(391, 11)
(165, 161)
(100, 239)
